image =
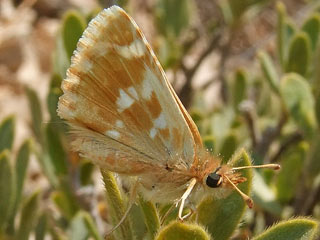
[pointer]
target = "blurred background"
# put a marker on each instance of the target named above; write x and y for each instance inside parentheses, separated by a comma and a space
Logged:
(246, 70)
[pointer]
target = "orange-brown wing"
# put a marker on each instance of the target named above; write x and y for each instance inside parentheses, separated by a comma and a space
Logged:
(116, 89)
(192, 126)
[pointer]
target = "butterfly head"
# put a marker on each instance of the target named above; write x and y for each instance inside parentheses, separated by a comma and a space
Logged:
(214, 180)
(224, 176)
(219, 177)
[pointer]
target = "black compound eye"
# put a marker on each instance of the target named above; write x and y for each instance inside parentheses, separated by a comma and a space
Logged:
(213, 180)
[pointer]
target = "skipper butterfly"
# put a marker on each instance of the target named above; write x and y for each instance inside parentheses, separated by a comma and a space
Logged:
(125, 117)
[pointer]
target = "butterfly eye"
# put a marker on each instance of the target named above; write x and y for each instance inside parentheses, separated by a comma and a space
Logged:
(214, 180)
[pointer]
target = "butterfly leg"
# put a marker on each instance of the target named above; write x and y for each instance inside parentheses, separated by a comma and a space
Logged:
(184, 197)
(132, 199)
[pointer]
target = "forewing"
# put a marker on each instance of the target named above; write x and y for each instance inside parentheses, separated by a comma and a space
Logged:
(116, 88)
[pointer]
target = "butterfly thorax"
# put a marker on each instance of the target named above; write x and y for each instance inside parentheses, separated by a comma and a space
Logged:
(167, 183)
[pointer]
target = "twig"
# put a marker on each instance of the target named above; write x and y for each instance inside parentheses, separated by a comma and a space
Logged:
(306, 198)
(212, 45)
(293, 139)
(208, 83)
(248, 111)
(186, 91)
(225, 51)
(270, 134)
(311, 201)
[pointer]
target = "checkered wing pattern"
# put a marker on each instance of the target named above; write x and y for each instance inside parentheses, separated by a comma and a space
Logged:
(123, 112)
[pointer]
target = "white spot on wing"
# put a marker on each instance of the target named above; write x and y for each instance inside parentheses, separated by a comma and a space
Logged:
(153, 132)
(72, 97)
(160, 122)
(113, 133)
(136, 49)
(119, 124)
(146, 84)
(133, 92)
(124, 101)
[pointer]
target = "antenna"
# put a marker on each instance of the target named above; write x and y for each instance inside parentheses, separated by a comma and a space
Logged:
(272, 166)
(245, 197)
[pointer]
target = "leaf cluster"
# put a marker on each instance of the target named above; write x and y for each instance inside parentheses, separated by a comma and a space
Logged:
(272, 112)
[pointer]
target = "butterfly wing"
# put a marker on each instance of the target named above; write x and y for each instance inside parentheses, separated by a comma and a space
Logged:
(123, 111)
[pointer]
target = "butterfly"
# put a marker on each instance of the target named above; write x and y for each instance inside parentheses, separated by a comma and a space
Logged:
(126, 117)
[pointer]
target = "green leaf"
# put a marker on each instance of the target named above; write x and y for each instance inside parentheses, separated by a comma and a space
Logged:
(172, 16)
(295, 229)
(289, 177)
(312, 27)
(281, 33)
(209, 143)
(73, 26)
(177, 231)
(69, 193)
(52, 103)
(67, 209)
(56, 152)
(36, 113)
(237, 8)
(316, 83)
(221, 123)
(117, 205)
(169, 53)
(53, 97)
(269, 71)
(61, 61)
(91, 226)
(41, 227)
(47, 167)
(86, 169)
(264, 197)
(7, 133)
(317, 99)
(21, 166)
(313, 165)
(6, 188)
(299, 54)
(229, 146)
(198, 117)
(239, 88)
(151, 217)
(234, 9)
(78, 228)
(215, 214)
(139, 227)
(28, 217)
(169, 212)
(299, 101)
(55, 82)
(263, 101)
